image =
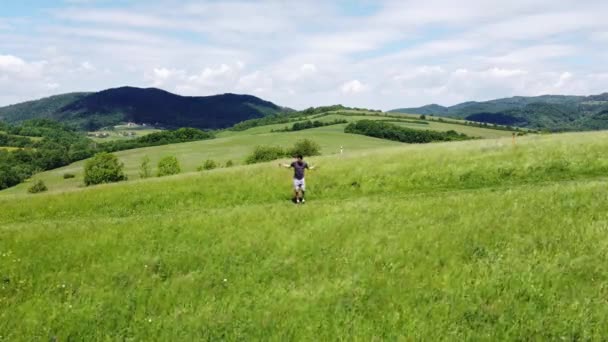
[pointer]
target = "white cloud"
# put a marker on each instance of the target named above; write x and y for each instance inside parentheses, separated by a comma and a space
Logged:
(17, 67)
(256, 82)
(308, 53)
(87, 66)
(308, 68)
(353, 87)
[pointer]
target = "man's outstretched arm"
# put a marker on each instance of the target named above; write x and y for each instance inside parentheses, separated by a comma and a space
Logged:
(287, 166)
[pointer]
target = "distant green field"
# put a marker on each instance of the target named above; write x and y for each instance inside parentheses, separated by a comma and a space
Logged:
(474, 240)
(7, 148)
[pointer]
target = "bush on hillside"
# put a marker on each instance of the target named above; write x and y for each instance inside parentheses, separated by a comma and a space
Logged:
(68, 175)
(103, 168)
(305, 147)
(209, 164)
(145, 170)
(229, 163)
(266, 153)
(168, 166)
(37, 187)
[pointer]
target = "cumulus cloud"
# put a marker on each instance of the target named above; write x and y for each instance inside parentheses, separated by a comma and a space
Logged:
(308, 53)
(353, 87)
(17, 67)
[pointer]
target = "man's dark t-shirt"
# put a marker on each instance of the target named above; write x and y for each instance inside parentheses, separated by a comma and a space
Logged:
(298, 169)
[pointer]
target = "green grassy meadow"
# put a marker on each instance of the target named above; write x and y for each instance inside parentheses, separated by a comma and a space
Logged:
(236, 145)
(193, 154)
(474, 240)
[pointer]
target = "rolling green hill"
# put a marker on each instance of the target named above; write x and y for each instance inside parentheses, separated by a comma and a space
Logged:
(236, 145)
(551, 112)
(475, 240)
(91, 111)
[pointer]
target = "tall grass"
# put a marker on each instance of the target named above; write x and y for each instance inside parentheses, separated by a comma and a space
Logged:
(461, 241)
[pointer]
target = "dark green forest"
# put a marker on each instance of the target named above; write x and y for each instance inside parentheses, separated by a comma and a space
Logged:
(389, 131)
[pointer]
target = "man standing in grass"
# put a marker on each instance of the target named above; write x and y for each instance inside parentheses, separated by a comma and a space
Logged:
(299, 184)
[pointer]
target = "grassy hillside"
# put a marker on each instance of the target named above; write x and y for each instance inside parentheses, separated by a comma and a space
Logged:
(414, 122)
(192, 154)
(551, 112)
(236, 145)
(91, 111)
(475, 240)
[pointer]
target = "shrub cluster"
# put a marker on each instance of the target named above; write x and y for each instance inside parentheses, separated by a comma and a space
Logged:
(168, 166)
(209, 164)
(145, 170)
(68, 175)
(103, 168)
(37, 187)
(384, 130)
(262, 153)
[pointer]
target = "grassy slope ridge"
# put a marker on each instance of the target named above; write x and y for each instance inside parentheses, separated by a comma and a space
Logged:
(467, 240)
(553, 112)
(236, 145)
(109, 107)
(192, 154)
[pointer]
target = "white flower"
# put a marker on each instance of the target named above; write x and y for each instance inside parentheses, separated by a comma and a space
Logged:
(225, 280)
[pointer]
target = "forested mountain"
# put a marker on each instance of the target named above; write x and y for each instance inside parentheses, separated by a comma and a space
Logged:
(551, 112)
(91, 111)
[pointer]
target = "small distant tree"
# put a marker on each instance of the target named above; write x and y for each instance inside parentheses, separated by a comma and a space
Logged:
(103, 168)
(37, 187)
(145, 170)
(229, 163)
(305, 147)
(209, 164)
(168, 166)
(422, 117)
(265, 153)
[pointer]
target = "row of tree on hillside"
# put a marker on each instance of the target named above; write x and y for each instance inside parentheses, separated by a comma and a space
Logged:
(299, 126)
(389, 131)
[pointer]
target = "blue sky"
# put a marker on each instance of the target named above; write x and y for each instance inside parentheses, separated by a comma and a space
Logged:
(378, 54)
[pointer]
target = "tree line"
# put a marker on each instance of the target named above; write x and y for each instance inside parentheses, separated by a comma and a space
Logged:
(299, 126)
(385, 130)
